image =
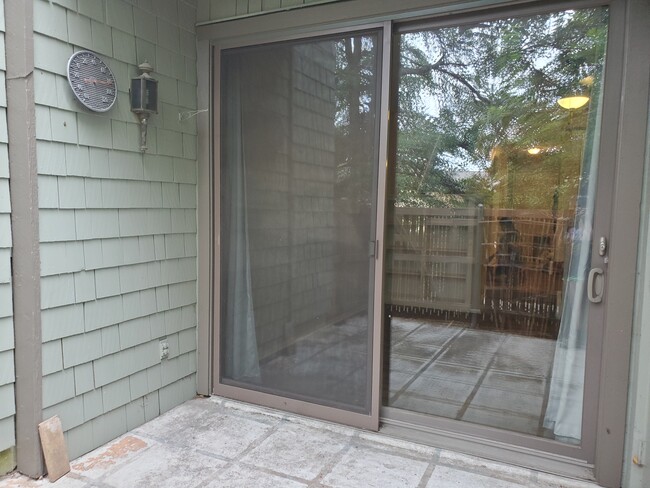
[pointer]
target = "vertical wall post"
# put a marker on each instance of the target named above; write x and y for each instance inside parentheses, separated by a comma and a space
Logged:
(23, 187)
(208, 297)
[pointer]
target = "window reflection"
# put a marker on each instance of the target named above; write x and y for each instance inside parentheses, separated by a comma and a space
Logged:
(491, 204)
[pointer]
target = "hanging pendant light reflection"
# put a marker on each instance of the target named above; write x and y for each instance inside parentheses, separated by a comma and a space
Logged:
(578, 99)
(574, 102)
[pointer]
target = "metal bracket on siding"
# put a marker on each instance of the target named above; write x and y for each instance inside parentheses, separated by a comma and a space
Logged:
(189, 114)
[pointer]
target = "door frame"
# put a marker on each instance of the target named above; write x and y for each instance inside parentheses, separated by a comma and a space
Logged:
(585, 452)
(366, 421)
(626, 146)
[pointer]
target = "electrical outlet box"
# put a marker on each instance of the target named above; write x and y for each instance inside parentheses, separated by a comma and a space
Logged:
(164, 349)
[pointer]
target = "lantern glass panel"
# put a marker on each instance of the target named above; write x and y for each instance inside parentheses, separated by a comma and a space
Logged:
(151, 96)
(136, 94)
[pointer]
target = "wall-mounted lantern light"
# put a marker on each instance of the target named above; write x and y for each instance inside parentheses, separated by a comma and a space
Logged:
(144, 100)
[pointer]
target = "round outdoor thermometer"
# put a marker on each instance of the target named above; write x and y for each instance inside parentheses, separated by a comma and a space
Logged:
(92, 82)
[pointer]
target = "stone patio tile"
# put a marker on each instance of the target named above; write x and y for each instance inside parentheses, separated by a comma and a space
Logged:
(290, 452)
(415, 349)
(472, 348)
(418, 403)
(396, 381)
(16, 481)
(371, 468)
(525, 355)
(382, 441)
(485, 467)
(399, 330)
(508, 401)
(545, 480)
(96, 464)
(405, 364)
(440, 389)
(297, 450)
(433, 334)
(175, 420)
(255, 412)
(528, 424)
(66, 482)
(238, 476)
(166, 466)
(215, 431)
(444, 477)
(320, 425)
(532, 385)
(460, 374)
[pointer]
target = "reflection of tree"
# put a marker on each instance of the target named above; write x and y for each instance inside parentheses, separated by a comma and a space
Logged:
(356, 101)
(473, 98)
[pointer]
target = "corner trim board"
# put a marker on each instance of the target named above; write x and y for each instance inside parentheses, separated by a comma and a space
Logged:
(26, 276)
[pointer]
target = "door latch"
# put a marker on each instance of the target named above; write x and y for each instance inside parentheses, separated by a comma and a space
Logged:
(602, 246)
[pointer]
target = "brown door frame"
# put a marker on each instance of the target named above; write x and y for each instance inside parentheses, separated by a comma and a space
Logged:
(586, 451)
(629, 102)
(601, 454)
(370, 421)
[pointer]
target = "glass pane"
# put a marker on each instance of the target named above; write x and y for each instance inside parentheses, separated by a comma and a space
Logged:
(299, 139)
(490, 214)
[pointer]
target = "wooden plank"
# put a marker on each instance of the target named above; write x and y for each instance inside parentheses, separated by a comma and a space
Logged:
(54, 449)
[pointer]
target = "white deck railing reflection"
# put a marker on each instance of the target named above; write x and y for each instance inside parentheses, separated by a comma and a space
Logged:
(502, 268)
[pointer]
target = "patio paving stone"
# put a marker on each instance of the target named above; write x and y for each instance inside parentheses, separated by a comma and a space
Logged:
(362, 466)
(238, 476)
(182, 467)
(297, 450)
(449, 477)
(217, 433)
(217, 443)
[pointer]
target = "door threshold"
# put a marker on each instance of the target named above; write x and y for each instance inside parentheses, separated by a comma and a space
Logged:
(488, 449)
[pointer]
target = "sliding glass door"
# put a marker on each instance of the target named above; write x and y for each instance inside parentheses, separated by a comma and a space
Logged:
(411, 220)
(299, 130)
(490, 270)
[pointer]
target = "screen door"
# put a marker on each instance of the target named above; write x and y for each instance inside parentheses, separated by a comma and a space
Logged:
(299, 132)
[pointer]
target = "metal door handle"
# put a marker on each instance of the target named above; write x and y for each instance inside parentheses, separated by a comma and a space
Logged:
(591, 283)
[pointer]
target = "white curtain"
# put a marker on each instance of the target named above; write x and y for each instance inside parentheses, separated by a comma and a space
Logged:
(564, 411)
(240, 347)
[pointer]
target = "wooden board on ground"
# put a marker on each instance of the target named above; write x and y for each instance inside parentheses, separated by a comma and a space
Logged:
(54, 449)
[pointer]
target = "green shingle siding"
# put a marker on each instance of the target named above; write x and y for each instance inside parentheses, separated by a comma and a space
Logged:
(229, 9)
(118, 227)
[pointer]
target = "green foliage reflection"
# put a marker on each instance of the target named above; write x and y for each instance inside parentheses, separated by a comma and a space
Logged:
(473, 99)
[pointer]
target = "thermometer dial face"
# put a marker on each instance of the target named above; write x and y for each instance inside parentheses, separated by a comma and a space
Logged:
(92, 82)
